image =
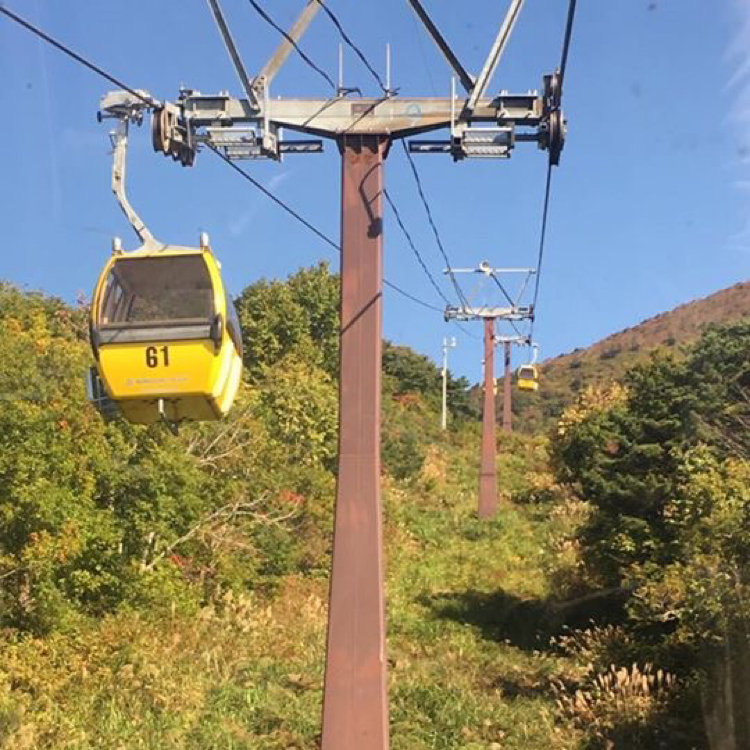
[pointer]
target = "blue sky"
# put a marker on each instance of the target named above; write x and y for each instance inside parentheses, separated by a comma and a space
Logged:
(650, 205)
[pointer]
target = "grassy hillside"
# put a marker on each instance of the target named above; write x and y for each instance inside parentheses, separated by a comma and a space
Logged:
(470, 661)
(563, 377)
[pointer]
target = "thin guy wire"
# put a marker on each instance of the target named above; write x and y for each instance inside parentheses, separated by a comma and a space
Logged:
(276, 200)
(514, 327)
(459, 292)
(466, 331)
(75, 56)
(352, 45)
(411, 296)
(376, 76)
(510, 301)
(323, 236)
(262, 13)
(382, 85)
(311, 227)
(416, 252)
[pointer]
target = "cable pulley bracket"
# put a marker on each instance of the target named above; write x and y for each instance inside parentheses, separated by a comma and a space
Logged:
(552, 91)
(552, 134)
(171, 134)
(237, 143)
(122, 105)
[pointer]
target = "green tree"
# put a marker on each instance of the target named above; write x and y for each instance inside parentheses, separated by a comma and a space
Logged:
(318, 291)
(411, 372)
(664, 463)
(626, 458)
(297, 316)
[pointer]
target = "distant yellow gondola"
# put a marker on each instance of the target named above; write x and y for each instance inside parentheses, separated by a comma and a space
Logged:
(528, 378)
(165, 335)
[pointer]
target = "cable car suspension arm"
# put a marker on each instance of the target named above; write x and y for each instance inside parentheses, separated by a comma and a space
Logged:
(125, 108)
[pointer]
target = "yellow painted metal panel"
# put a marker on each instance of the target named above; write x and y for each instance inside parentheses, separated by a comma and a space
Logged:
(193, 379)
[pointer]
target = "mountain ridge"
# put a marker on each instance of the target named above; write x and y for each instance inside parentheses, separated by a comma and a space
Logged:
(562, 377)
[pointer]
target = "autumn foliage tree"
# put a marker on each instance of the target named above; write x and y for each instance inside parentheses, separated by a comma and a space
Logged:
(663, 460)
(98, 515)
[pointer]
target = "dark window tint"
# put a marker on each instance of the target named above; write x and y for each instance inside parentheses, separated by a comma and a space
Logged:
(157, 290)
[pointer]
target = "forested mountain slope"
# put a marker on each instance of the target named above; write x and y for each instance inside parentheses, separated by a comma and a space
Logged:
(563, 377)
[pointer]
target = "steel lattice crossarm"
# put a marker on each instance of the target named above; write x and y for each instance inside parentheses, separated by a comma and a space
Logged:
(514, 311)
(479, 313)
(248, 128)
(518, 340)
(231, 124)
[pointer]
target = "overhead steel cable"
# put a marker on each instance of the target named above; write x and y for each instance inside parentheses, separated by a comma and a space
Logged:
(510, 302)
(542, 238)
(264, 15)
(461, 296)
(567, 38)
(321, 235)
(410, 296)
(331, 242)
(414, 249)
(153, 103)
(357, 51)
(459, 292)
(503, 290)
(548, 182)
(348, 41)
(274, 198)
(449, 269)
(150, 101)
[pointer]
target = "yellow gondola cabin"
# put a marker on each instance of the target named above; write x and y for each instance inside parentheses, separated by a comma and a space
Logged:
(165, 335)
(528, 378)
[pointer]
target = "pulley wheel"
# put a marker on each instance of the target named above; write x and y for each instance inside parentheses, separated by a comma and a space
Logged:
(160, 130)
(555, 136)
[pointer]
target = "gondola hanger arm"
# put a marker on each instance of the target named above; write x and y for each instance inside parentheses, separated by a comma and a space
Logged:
(119, 138)
(125, 107)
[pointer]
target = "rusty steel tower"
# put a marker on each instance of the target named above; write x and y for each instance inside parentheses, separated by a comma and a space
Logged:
(513, 311)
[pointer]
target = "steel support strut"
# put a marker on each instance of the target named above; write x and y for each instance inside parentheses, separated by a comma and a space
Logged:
(355, 704)
(507, 394)
(487, 471)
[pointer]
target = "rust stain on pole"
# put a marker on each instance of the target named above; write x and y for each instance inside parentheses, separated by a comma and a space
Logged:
(355, 702)
(487, 471)
(507, 394)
